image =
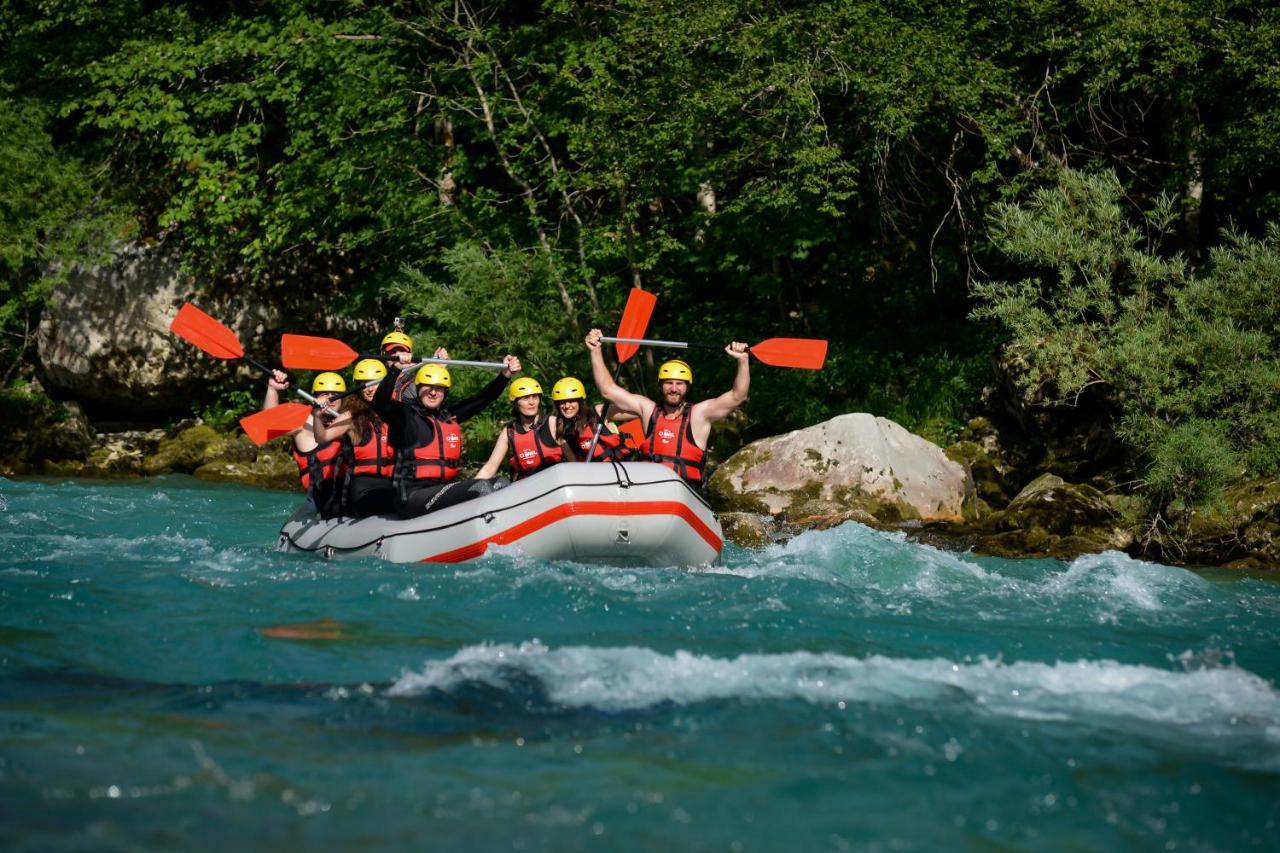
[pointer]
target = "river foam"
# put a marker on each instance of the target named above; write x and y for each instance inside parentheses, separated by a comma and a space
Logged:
(1214, 699)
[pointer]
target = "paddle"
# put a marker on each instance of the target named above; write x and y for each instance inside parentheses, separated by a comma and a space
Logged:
(635, 320)
(804, 353)
(308, 352)
(263, 426)
(196, 327)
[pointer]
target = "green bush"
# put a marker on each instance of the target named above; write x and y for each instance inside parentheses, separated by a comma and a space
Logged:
(1189, 359)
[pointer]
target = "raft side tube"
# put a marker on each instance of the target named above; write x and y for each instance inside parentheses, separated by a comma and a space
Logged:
(630, 513)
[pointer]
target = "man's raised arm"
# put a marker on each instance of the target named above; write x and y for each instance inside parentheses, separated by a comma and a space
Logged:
(613, 392)
(719, 408)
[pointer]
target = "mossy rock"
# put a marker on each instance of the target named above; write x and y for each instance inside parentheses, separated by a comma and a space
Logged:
(747, 529)
(186, 451)
(1060, 508)
(1028, 542)
(267, 473)
(991, 477)
(724, 499)
(817, 514)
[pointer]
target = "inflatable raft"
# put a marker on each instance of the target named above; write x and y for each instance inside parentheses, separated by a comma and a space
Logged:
(624, 514)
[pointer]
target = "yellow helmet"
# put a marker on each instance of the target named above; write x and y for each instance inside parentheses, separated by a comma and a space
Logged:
(397, 339)
(568, 389)
(434, 374)
(368, 369)
(675, 369)
(523, 387)
(327, 382)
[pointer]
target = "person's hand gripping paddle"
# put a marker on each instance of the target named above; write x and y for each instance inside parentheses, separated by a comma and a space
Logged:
(635, 321)
(196, 327)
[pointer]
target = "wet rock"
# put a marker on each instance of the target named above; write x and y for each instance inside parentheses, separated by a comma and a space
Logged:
(823, 515)
(68, 437)
(1059, 507)
(1053, 518)
(748, 529)
(271, 469)
(859, 464)
(1242, 532)
(185, 452)
(990, 477)
(121, 454)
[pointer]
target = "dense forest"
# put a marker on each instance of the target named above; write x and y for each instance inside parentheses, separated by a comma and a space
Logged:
(1085, 188)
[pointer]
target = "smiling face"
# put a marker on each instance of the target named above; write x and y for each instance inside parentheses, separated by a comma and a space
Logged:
(674, 391)
(431, 396)
(529, 404)
(368, 391)
(569, 408)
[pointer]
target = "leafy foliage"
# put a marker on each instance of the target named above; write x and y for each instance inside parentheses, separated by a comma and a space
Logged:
(1190, 360)
(50, 216)
(502, 172)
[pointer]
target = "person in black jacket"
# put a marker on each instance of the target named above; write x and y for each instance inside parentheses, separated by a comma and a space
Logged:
(427, 436)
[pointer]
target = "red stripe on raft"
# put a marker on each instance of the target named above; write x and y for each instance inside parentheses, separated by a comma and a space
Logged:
(559, 513)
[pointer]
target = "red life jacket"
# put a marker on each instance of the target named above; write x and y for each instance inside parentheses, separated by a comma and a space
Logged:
(669, 440)
(532, 449)
(320, 464)
(374, 455)
(610, 446)
(436, 458)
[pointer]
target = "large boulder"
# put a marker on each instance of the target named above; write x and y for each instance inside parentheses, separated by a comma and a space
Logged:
(104, 335)
(856, 466)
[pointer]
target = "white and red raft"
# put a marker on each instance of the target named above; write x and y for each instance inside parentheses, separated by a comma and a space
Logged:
(621, 514)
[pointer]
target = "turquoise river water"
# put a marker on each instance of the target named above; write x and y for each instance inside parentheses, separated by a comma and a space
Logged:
(168, 681)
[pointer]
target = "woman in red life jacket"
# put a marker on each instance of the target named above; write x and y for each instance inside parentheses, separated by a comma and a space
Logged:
(367, 455)
(317, 459)
(530, 442)
(579, 420)
(427, 435)
(676, 430)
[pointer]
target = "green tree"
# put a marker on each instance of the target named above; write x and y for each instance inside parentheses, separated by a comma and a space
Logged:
(51, 216)
(1189, 360)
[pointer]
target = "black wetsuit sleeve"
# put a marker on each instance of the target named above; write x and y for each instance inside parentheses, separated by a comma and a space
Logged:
(391, 411)
(382, 402)
(478, 402)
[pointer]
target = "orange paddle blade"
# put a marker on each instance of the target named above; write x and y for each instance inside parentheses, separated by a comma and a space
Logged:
(805, 353)
(261, 427)
(199, 328)
(635, 321)
(633, 430)
(305, 352)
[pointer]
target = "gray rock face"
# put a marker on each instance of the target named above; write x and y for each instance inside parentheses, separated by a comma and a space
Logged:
(851, 462)
(104, 338)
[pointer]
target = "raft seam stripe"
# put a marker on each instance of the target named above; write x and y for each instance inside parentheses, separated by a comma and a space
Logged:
(576, 508)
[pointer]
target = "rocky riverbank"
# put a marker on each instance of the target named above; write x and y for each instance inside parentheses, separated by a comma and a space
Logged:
(60, 442)
(975, 495)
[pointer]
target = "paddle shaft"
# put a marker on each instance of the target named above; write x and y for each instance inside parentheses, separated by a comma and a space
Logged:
(303, 394)
(656, 343)
(457, 362)
(600, 422)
